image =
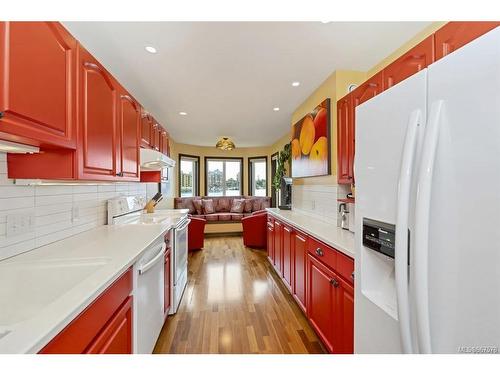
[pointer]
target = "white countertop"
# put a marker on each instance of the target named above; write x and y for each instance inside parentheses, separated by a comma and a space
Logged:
(117, 247)
(330, 234)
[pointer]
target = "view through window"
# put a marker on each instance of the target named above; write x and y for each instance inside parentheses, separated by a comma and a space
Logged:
(223, 177)
(258, 176)
(188, 178)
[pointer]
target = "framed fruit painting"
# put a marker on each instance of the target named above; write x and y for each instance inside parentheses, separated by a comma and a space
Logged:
(311, 143)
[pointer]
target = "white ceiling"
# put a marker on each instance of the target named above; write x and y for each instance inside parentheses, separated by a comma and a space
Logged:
(229, 76)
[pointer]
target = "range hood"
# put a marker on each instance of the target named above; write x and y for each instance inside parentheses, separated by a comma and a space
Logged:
(152, 160)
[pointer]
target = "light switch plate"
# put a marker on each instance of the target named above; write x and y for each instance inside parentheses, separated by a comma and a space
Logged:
(18, 224)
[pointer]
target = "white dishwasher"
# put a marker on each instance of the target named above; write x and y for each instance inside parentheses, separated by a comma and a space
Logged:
(148, 297)
(148, 272)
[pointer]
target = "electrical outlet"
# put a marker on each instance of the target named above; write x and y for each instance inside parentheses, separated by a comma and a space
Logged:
(313, 205)
(18, 224)
(75, 214)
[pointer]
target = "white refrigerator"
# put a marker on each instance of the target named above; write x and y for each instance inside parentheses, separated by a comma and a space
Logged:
(427, 171)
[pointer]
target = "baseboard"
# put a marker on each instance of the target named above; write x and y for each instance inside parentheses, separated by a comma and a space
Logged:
(223, 234)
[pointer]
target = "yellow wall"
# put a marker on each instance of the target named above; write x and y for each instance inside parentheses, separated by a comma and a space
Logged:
(243, 152)
(334, 87)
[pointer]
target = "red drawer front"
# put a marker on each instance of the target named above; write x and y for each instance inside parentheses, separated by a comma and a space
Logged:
(340, 263)
(322, 252)
(78, 334)
(116, 336)
(345, 267)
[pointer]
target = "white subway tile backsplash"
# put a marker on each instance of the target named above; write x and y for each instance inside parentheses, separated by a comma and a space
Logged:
(53, 206)
(317, 200)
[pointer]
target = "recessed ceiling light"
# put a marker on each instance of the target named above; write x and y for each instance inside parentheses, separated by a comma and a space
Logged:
(183, 113)
(150, 49)
(326, 21)
(276, 109)
(295, 83)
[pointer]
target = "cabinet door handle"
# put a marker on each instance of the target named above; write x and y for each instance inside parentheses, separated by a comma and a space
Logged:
(120, 174)
(319, 252)
(335, 283)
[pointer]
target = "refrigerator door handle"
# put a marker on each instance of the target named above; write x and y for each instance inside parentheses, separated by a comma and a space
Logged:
(422, 215)
(401, 243)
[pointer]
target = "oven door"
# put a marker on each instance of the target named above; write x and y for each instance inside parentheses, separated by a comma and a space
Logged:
(180, 249)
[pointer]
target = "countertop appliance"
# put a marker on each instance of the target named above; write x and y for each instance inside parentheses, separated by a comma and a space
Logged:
(285, 194)
(426, 274)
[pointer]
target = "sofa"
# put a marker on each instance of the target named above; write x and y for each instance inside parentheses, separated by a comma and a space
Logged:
(222, 207)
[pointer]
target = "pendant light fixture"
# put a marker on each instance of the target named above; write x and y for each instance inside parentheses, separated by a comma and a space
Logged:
(225, 144)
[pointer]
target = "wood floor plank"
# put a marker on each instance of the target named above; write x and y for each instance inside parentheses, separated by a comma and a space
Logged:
(235, 303)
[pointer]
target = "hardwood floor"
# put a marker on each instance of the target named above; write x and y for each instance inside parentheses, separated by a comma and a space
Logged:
(235, 303)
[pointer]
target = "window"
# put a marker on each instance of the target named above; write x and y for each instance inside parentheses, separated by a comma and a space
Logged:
(257, 172)
(223, 176)
(189, 175)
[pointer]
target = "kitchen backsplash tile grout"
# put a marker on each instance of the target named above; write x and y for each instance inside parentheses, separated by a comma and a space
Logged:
(53, 205)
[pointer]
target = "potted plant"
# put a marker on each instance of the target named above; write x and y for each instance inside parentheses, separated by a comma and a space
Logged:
(281, 168)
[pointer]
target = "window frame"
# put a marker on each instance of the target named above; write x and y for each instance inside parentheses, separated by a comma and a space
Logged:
(250, 173)
(223, 159)
(196, 185)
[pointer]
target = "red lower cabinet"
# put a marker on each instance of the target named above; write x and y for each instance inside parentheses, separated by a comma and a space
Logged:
(278, 247)
(330, 307)
(270, 240)
(287, 257)
(116, 337)
(344, 336)
(105, 326)
(299, 265)
(320, 279)
(321, 300)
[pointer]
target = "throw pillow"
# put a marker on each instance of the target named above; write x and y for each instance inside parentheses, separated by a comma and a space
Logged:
(208, 206)
(238, 206)
(256, 205)
(198, 206)
(248, 205)
(223, 205)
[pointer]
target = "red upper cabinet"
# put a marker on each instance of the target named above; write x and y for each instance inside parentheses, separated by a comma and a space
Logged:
(129, 135)
(164, 143)
(345, 139)
(156, 135)
(299, 241)
(37, 82)
(368, 89)
(454, 35)
(98, 99)
(146, 130)
(413, 61)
